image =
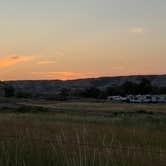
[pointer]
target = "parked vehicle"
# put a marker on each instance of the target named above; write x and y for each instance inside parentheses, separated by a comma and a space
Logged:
(139, 98)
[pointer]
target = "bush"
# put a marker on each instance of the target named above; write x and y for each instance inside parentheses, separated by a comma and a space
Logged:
(9, 91)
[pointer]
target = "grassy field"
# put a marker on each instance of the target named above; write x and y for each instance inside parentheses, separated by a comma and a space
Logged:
(82, 134)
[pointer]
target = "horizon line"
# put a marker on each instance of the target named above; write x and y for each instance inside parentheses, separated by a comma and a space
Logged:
(130, 75)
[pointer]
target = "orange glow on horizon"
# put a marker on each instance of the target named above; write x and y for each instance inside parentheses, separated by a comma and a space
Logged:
(65, 75)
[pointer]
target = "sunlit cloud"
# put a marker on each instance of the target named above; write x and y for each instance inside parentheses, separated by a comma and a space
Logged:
(9, 61)
(46, 62)
(50, 53)
(137, 30)
(65, 75)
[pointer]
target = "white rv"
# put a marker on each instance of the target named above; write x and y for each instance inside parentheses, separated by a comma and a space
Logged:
(134, 99)
(139, 98)
(146, 98)
(117, 98)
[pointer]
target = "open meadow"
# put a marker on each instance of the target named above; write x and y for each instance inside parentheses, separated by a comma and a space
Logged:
(81, 133)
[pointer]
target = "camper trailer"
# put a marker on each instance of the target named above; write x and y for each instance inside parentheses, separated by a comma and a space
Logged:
(134, 99)
(117, 98)
(139, 98)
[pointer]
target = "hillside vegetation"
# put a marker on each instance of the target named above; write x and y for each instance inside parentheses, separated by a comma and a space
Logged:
(53, 86)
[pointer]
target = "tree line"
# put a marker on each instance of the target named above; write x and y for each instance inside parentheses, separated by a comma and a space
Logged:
(127, 88)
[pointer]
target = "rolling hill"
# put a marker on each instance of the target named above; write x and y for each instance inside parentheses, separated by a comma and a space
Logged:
(54, 86)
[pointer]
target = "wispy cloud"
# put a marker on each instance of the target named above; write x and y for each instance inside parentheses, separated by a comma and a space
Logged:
(137, 30)
(50, 53)
(46, 62)
(9, 61)
(65, 75)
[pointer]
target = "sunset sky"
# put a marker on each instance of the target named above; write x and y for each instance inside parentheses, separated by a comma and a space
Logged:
(70, 39)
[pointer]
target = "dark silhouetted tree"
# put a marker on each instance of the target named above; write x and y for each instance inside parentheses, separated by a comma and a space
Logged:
(91, 92)
(9, 91)
(130, 88)
(64, 93)
(145, 87)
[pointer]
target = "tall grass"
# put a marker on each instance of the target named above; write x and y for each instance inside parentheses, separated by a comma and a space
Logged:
(39, 139)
